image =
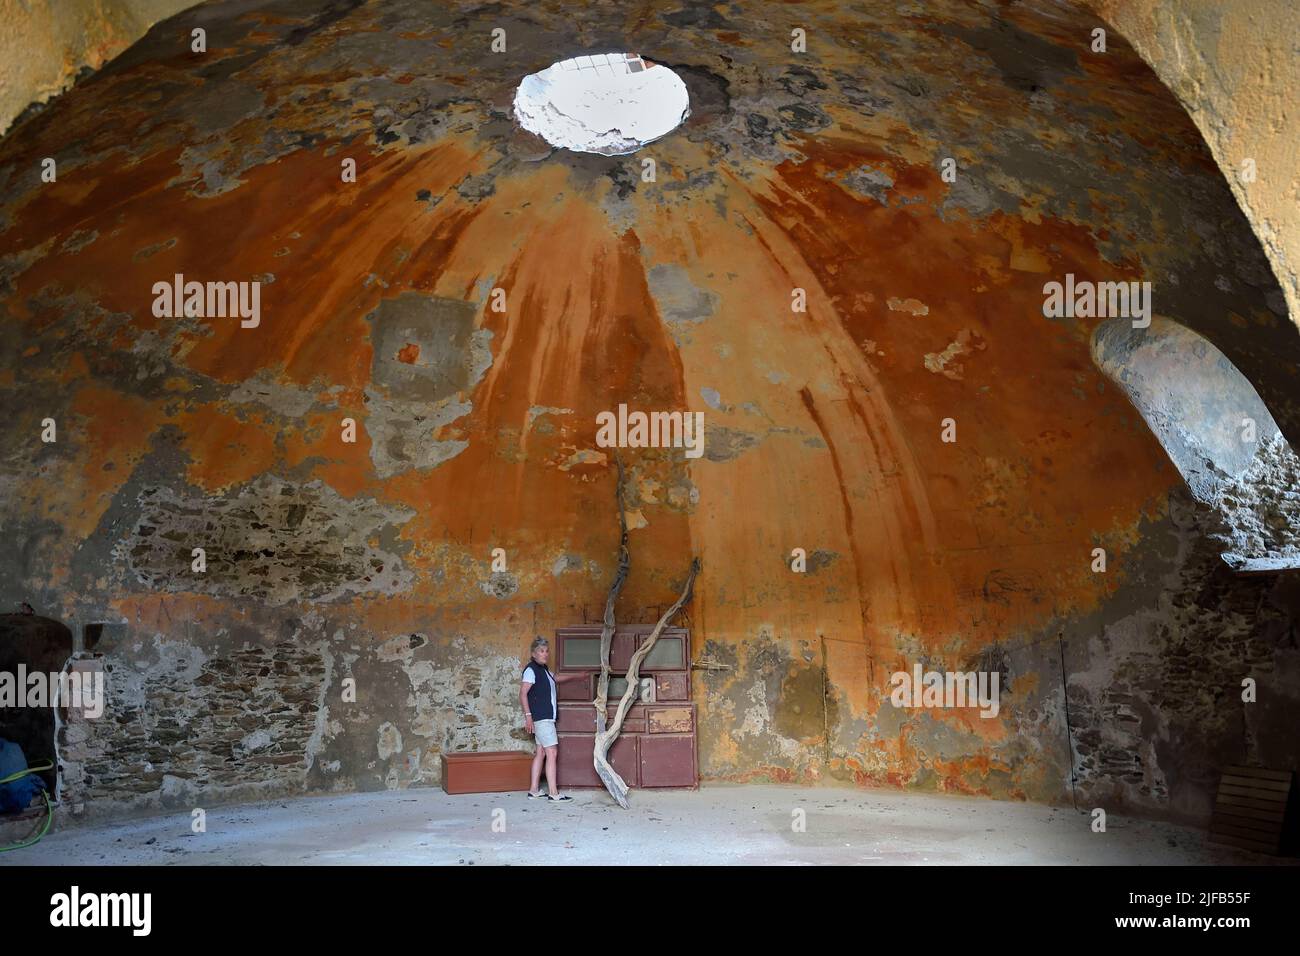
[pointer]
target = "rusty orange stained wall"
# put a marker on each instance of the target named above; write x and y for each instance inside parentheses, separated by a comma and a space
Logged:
(476, 428)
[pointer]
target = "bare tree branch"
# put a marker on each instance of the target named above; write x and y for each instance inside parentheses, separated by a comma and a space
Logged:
(614, 783)
(607, 632)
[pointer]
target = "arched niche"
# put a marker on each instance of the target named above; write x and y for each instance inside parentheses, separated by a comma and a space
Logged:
(39, 644)
(1216, 430)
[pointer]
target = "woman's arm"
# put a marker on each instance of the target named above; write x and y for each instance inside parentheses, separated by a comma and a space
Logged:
(523, 702)
(561, 678)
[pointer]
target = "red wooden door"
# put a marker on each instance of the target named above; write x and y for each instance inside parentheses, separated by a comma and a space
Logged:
(657, 745)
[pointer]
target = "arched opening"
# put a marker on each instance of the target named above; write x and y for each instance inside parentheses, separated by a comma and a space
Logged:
(608, 103)
(33, 647)
(1217, 432)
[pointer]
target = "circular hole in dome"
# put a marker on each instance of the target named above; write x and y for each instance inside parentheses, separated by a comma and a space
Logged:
(608, 103)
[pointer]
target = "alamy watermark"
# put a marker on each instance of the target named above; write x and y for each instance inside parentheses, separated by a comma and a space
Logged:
(209, 300)
(79, 690)
(626, 429)
(1098, 300)
(133, 911)
(922, 688)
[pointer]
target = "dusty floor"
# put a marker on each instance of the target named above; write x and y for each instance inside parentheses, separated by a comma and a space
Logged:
(720, 824)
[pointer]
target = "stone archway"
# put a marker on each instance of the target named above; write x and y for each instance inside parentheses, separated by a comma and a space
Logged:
(1218, 433)
(36, 645)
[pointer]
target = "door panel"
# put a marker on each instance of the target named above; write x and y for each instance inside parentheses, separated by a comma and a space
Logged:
(574, 761)
(576, 689)
(668, 760)
(575, 756)
(671, 720)
(672, 685)
(576, 720)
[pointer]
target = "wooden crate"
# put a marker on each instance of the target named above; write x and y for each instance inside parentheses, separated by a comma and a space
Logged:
(1255, 810)
(491, 771)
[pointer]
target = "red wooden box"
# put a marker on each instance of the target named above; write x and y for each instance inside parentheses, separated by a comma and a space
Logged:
(492, 771)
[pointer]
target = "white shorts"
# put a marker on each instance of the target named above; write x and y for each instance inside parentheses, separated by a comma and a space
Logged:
(544, 732)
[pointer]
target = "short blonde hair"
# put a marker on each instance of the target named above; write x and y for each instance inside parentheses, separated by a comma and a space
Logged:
(538, 642)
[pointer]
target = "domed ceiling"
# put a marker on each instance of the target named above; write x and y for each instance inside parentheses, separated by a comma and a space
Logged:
(475, 299)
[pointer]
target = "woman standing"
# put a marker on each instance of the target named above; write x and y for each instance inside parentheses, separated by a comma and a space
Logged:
(538, 699)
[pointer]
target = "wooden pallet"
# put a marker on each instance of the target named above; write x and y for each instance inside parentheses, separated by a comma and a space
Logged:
(1251, 810)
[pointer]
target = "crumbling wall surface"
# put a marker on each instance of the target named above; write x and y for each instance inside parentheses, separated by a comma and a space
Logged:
(1263, 504)
(1235, 67)
(47, 44)
(291, 525)
(183, 720)
(1157, 694)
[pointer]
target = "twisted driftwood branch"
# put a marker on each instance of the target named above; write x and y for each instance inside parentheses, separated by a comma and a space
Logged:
(615, 784)
(607, 633)
(612, 781)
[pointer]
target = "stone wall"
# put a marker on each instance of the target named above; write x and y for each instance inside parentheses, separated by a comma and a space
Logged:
(186, 723)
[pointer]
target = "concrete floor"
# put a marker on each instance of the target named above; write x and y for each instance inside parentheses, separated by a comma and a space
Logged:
(720, 824)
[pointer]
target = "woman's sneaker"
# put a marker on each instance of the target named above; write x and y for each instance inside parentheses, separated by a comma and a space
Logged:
(535, 796)
(563, 796)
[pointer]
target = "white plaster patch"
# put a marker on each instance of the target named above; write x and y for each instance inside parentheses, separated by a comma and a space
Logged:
(914, 306)
(538, 410)
(257, 740)
(945, 363)
(756, 723)
(583, 456)
(263, 389)
(390, 741)
(321, 724)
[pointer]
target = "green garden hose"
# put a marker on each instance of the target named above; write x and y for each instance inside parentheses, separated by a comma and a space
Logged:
(49, 810)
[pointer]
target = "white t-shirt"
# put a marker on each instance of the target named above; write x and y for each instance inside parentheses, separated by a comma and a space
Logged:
(530, 677)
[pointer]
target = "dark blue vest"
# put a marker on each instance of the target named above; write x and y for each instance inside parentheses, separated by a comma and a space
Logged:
(539, 693)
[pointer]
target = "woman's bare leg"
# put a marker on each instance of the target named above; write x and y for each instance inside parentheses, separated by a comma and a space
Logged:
(551, 776)
(537, 770)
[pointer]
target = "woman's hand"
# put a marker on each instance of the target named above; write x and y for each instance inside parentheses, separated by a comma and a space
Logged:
(528, 723)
